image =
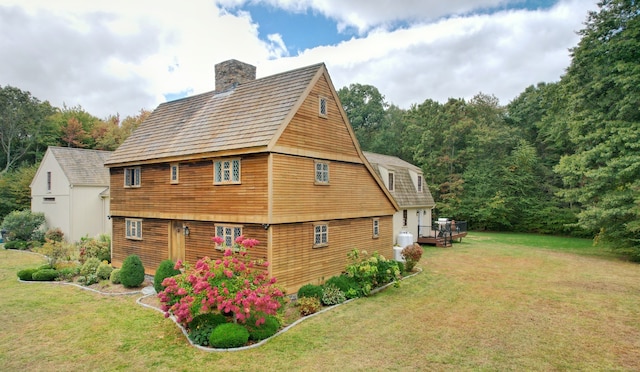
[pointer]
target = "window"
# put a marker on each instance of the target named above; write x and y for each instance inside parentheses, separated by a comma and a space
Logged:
(226, 172)
(133, 229)
(174, 173)
(132, 177)
(322, 107)
(49, 200)
(419, 183)
(321, 235)
(322, 172)
(48, 181)
(404, 217)
(376, 228)
(228, 233)
(391, 181)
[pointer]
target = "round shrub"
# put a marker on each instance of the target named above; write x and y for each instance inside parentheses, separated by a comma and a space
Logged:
(132, 272)
(26, 274)
(310, 290)
(264, 330)
(97, 248)
(16, 244)
(104, 270)
(229, 335)
(55, 235)
(332, 295)
(165, 270)
(45, 275)
(308, 305)
(202, 325)
(115, 276)
(90, 266)
(411, 254)
(349, 286)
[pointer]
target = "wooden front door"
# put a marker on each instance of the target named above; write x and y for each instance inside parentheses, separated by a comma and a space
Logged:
(176, 241)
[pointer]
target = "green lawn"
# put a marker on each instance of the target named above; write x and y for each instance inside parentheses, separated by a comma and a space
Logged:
(493, 302)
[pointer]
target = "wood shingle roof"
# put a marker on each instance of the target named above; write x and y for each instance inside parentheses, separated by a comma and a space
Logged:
(405, 192)
(82, 166)
(246, 117)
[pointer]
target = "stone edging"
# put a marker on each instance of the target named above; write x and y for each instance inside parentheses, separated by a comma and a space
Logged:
(262, 342)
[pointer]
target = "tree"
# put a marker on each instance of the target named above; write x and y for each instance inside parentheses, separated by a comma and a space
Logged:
(603, 81)
(365, 108)
(15, 193)
(21, 118)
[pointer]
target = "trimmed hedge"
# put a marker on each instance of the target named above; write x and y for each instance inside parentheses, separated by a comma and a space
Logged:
(45, 275)
(229, 335)
(310, 290)
(26, 274)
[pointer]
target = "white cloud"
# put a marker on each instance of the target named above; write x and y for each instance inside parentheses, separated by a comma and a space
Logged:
(120, 56)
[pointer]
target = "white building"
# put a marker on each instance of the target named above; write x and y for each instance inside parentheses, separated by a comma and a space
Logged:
(406, 184)
(71, 188)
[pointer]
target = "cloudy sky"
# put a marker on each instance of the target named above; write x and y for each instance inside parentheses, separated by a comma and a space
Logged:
(120, 56)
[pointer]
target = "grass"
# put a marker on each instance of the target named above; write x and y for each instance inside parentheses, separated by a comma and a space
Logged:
(492, 302)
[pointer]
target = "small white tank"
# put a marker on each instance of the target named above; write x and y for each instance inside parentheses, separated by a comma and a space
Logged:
(405, 238)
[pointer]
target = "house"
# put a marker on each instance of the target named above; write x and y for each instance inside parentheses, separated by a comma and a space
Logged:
(71, 188)
(274, 159)
(406, 184)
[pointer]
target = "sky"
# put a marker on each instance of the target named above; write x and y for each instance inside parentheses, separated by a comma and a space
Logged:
(120, 56)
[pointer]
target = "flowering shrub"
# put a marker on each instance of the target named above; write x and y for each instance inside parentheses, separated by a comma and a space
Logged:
(371, 271)
(231, 285)
(411, 254)
(308, 305)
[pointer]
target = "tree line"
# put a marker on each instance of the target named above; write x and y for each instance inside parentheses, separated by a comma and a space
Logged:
(561, 158)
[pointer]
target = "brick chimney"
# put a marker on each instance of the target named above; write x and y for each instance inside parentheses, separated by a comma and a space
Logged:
(231, 73)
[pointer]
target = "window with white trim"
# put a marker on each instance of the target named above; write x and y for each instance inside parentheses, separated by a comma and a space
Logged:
(132, 177)
(226, 172)
(174, 173)
(322, 107)
(229, 233)
(320, 235)
(322, 172)
(419, 183)
(48, 181)
(376, 228)
(133, 228)
(391, 181)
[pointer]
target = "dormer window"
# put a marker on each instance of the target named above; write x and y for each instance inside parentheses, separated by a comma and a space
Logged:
(419, 183)
(391, 181)
(322, 107)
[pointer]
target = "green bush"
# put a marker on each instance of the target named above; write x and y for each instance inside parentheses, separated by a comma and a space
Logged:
(132, 272)
(89, 279)
(90, 267)
(104, 270)
(20, 225)
(202, 325)
(310, 290)
(265, 330)
(347, 285)
(98, 248)
(57, 251)
(308, 305)
(229, 335)
(401, 267)
(332, 295)
(26, 274)
(55, 235)
(16, 244)
(115, 276)
(68, 273)
(45, 275)
(165, 270)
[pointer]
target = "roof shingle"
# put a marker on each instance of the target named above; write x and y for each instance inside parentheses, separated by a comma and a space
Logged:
(82, 166)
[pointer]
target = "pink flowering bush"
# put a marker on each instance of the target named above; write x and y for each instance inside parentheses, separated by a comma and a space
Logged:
(232, 285)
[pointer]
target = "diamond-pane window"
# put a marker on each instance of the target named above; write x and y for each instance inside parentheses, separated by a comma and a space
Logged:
(321, 235)
(322, 172)
(226, 171)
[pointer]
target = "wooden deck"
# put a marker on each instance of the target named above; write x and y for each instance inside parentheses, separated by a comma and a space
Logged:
(441, 241)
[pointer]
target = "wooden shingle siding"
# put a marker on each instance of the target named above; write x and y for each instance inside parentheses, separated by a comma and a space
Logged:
(325, 137)
(152, 249)
(296, 263)
(194, 197)
(352, 191)
(198, 244)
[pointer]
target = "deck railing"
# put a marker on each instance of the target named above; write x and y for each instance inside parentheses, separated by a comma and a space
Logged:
(446, 231)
